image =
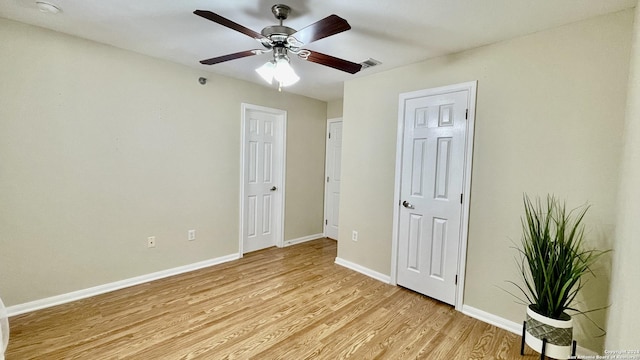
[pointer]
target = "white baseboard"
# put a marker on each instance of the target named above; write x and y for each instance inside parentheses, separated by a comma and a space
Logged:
(492, 319)
(101, 289)
(303, 239)
(508, 325)
(363, 270)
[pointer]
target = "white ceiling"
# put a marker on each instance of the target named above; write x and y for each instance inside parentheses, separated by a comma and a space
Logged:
(395, 32)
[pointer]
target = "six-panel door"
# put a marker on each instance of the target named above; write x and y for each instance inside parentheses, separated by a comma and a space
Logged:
(430, 193)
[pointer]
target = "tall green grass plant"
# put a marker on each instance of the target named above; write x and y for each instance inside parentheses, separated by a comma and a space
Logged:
(553, 256)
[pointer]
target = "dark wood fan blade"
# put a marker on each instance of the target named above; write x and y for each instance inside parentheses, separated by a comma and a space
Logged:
(334, 62)
(228, 23)
(331, 25)
(228, 57)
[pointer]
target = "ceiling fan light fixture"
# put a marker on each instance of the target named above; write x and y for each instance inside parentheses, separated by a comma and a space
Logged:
(280, 70)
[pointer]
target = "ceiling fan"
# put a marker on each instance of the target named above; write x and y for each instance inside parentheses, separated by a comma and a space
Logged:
(282, 40)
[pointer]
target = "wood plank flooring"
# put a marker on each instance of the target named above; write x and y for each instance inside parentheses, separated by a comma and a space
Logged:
(290, 303)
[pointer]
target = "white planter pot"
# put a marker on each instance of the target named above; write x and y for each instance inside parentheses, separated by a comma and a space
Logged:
(559, 334)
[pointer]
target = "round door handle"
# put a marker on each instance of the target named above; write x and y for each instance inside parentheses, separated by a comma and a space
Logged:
(273, 188)
(407, 204)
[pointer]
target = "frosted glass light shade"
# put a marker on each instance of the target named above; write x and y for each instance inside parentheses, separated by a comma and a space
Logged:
(280, 70)
(284, 73)
(266, 71)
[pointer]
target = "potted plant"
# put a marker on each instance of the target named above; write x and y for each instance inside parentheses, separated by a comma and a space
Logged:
(553, 260)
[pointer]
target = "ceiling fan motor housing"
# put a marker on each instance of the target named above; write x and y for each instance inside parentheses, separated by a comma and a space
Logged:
(277, 32)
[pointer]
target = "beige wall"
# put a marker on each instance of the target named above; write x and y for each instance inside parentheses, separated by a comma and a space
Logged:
(624, 323)
(334, 109)
(550, 113)
(100, 148)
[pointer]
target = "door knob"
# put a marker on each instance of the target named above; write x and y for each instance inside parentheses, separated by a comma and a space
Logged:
(407, 204)
(273, 188)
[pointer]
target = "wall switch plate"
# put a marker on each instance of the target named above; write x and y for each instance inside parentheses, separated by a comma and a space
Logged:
(151, 241)
(354, 235)
(191, 235)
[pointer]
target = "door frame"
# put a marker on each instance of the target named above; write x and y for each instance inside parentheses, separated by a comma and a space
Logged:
(471, 88)
(282, 155)
(326, 172)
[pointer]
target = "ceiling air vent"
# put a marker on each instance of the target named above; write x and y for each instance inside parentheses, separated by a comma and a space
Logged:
(370, 63)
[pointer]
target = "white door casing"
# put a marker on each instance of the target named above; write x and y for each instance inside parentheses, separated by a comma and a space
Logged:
(432, 190)
(333, 161)
(262, 176)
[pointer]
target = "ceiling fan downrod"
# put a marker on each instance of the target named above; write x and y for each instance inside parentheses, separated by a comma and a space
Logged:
(281, 12)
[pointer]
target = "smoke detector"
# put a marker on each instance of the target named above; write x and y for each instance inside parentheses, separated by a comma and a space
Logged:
(47, 7)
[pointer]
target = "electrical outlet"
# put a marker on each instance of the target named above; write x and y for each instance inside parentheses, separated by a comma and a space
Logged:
(151, 241)
(354, 235)
(191, 235)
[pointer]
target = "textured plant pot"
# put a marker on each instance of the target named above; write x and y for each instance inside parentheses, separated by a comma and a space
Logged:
(559, 334)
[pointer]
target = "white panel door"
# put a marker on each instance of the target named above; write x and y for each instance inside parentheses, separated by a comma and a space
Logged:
(332, 186)
(430, 194)
(263, 154)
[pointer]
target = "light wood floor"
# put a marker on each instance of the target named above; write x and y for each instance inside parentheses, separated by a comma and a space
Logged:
(290, 303)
